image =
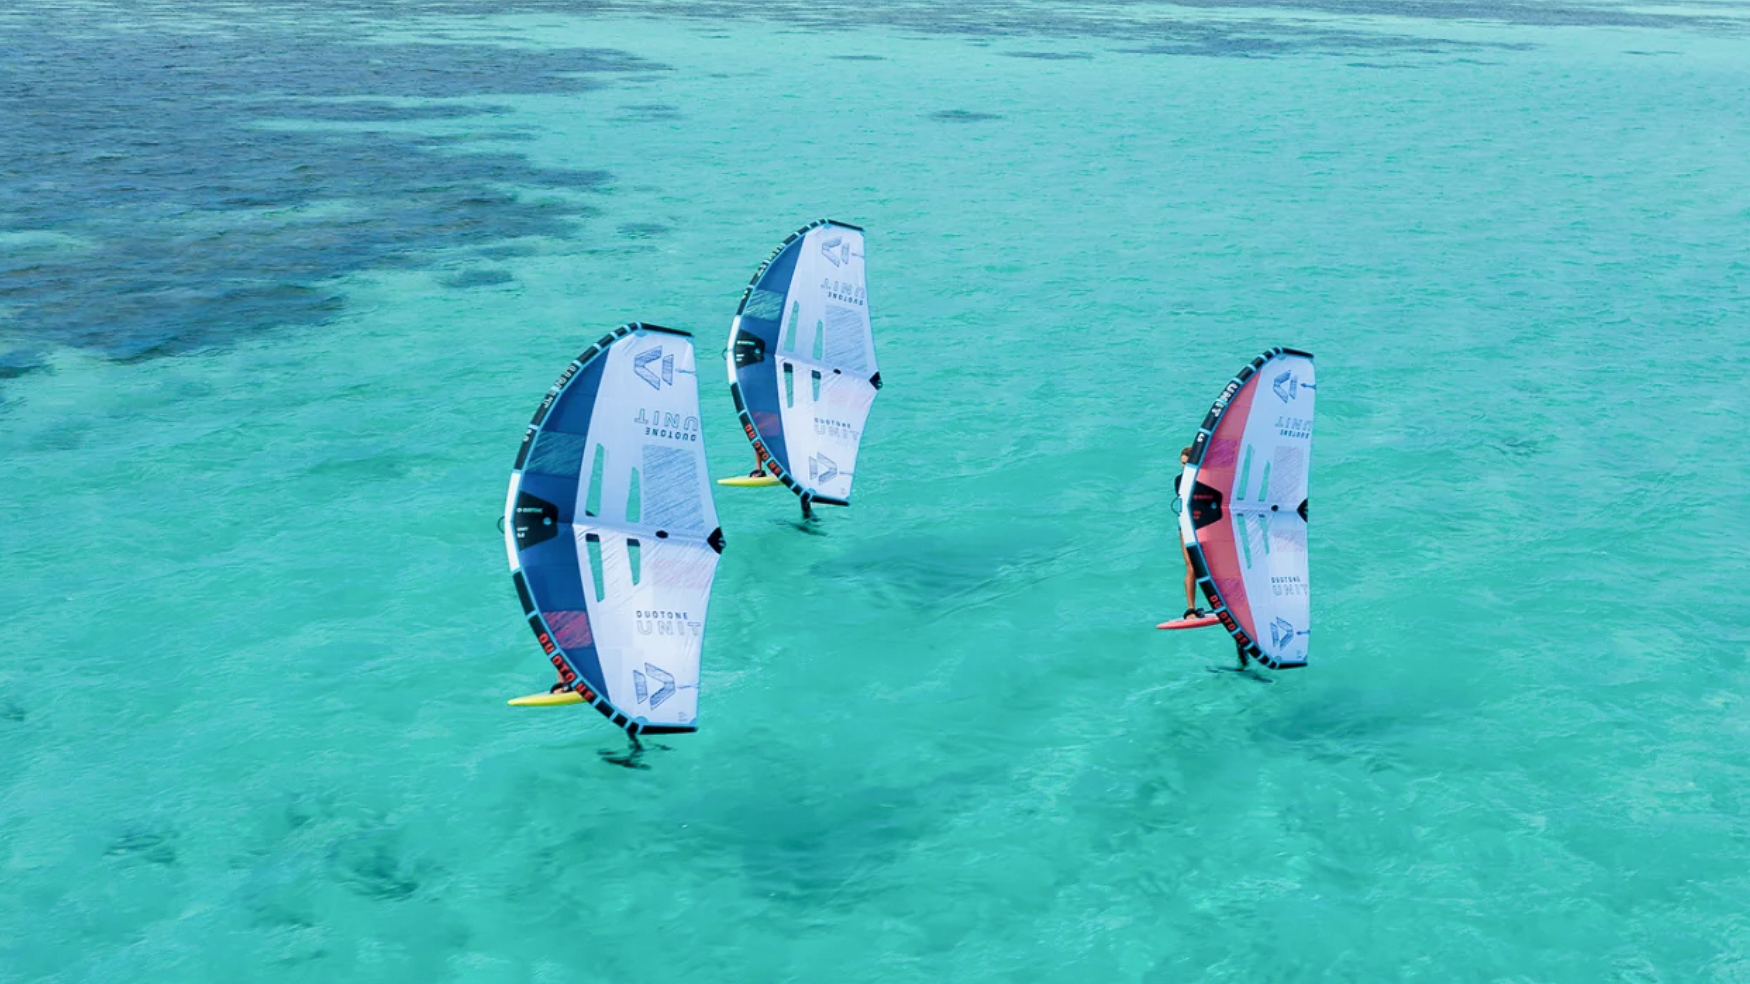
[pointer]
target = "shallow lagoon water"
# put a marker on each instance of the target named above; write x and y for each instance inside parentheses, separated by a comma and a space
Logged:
(282, 285)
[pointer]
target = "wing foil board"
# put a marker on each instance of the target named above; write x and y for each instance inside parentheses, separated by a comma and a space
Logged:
(1190, 623)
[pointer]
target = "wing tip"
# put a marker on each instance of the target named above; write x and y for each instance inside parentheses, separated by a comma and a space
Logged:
(647, 326)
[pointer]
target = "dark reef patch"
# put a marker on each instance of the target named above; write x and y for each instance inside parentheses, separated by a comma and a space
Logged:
(960, 116)
(19, 362)
(1123, 20)
(643, 230)
(216, 183)
(148, 846)
(650, 113)
(370, 863)
(1267, 39)
(477, 278)
(374, 111)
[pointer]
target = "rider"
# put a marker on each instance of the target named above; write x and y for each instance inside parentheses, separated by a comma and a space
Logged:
(1191, 609)
(759, 469)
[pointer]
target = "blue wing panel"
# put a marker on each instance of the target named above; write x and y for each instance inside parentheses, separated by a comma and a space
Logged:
(555, 583)
(759, 389)
(777, 274)
(556, 453)
(570, 415)
(756, 367)
(560, 493)
(546, 503)
(555, 580)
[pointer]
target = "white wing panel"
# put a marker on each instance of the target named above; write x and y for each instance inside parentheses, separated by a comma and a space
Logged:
(826, 356)
(643, 515)
(1269, 487)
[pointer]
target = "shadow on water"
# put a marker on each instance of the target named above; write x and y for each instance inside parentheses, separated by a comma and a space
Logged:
(633, 756)
(1377, 729)
(1244, 673)
(144, 845)
(961, 116)
(161, 192)
(936, 574)
(819, 844)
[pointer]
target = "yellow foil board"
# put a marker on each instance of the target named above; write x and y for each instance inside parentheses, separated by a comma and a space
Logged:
(548, 700)
(749, 481)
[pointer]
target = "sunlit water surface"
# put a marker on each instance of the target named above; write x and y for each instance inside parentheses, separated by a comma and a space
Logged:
(281, 284)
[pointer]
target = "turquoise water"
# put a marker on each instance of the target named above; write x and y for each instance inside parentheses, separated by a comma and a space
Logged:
(281, 287)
